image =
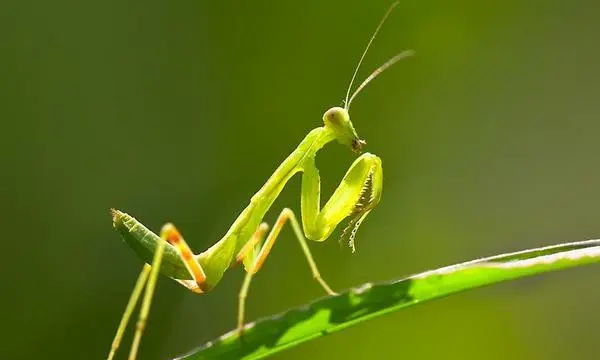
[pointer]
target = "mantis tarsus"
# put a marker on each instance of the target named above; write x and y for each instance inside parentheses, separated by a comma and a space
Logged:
(358, 193)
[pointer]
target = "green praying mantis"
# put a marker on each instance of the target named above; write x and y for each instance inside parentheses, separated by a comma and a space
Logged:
(247, 241)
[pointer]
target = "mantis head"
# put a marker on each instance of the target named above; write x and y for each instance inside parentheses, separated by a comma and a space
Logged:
(337, 120)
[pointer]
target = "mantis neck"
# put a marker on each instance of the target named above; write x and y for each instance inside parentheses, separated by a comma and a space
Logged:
(307, 149)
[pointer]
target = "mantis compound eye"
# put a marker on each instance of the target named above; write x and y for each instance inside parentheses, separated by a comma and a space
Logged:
(334, 116)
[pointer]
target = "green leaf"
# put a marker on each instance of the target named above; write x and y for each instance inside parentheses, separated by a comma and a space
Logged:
(271, 335)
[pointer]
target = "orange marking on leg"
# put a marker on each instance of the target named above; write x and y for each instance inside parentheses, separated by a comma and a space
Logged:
(193, 267)
(264, 252)
(281, 220)
(173, 236)
(199, 277)
(258, 235)
(186, 254)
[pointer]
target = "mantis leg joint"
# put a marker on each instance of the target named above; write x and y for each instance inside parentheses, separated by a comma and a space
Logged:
(141, 325)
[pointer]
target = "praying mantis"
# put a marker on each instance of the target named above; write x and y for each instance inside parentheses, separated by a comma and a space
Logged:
(247, 241)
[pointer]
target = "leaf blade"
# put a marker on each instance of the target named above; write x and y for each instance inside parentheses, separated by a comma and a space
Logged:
(331, 314)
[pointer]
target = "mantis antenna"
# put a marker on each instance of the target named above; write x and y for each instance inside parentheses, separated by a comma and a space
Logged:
(380, 69)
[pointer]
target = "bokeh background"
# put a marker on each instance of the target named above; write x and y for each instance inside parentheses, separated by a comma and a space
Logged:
(179, 110)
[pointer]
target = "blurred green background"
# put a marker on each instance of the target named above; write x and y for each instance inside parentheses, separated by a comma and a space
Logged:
(179, 110)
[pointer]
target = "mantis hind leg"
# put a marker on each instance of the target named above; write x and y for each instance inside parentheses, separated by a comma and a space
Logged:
(254, 260)
(170, 233)
(133, 299)
(147, 301)
(147, 278)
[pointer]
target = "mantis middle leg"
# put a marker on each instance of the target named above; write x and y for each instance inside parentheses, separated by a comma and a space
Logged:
(253, 261)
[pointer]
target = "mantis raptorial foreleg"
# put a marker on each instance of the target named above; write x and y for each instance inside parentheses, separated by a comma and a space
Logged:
(358, 192)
